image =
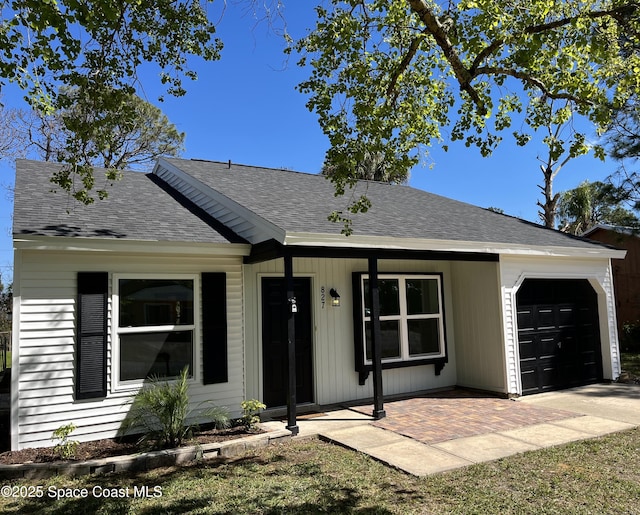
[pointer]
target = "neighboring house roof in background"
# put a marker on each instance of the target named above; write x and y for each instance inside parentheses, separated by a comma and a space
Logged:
(139, 207)
(297, 202)
(629, 231)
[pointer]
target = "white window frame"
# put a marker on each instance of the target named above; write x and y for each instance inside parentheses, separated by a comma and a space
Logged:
(403, 317)
(116, 330)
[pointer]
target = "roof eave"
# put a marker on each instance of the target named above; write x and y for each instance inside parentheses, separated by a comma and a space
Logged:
(379, 242)
(57, 243)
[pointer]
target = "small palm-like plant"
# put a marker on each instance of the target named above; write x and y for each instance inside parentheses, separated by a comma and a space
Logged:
(160, 409)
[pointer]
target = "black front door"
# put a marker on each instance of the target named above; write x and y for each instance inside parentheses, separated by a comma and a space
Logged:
(274, 341)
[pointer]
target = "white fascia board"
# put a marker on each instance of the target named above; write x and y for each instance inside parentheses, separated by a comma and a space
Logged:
(264, 230)
(378, 242)
(56, 243)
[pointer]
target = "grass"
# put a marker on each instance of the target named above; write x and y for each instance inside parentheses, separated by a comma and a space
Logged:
(631, 364)
(309, 476)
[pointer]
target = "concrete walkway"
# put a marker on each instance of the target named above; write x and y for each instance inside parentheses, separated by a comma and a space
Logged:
(575, 414)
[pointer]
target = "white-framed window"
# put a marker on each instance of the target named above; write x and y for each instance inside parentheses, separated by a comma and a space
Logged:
(411, 317)
(155, 327)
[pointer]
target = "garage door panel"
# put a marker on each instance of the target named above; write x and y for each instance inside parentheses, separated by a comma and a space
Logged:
(546, 318)
(568, 345)
(547, 345)
(528, 349)
(567, 316)
(549, 376)
(529, 381)
(586, 317)
(526, 320)
(559, 338)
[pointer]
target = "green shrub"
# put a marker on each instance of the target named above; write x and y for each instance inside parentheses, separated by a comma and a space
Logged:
(65, 448)
(250, 418)
(160, 409)
(630, 337)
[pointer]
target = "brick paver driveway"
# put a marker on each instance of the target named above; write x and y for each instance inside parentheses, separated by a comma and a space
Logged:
(460, 413)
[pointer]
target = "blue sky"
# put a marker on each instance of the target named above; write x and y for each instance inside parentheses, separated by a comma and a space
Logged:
(245, 108)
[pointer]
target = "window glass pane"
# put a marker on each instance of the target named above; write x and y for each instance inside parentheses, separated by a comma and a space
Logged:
(389, 297)
(422, 296)
(424, 336)
(390, 343)
(164, 354)
(147, 302)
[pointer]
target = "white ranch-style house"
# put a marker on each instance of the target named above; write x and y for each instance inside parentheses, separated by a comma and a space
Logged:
(235, 272)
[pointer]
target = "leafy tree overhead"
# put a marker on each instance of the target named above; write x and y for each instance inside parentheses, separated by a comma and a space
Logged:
(593, 203)
(94, 49)
(100, 43)
(396, 76)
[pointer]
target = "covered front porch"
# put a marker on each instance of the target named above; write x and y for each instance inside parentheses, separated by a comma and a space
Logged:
(340, 361)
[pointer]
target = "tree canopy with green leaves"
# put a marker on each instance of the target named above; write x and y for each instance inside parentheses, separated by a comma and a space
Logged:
(392, 77)
(593, 203)
(62, 53)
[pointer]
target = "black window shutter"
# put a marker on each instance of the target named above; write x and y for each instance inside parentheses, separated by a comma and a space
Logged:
(358, 336)
(214, 327)
(91, 344)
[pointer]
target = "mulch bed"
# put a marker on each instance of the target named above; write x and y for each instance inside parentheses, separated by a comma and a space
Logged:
(98, 449)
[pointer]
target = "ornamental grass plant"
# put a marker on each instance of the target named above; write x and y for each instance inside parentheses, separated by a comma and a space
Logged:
(160, 411)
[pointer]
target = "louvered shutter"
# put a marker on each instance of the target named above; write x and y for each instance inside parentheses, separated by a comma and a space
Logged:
(91, 341)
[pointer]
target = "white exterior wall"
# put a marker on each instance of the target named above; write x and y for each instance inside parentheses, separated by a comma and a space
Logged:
(335, 377)
(43, 359)
(515, 269)
(478, 320)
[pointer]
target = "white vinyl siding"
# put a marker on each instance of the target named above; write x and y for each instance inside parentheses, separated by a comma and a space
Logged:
(336, 379)
(44, 385)
(478, 322)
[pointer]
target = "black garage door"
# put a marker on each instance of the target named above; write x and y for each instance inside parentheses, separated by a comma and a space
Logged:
(558, 334)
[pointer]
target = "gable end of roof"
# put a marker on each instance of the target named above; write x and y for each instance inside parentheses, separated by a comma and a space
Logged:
(237, 218)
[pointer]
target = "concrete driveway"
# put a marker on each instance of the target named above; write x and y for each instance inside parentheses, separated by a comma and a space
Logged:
(617, 401)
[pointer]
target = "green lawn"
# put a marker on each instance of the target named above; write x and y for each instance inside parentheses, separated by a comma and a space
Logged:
(631, 364)
(309, 476)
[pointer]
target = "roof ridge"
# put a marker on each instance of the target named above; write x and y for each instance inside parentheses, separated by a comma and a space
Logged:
(282, 169)
(244, 165)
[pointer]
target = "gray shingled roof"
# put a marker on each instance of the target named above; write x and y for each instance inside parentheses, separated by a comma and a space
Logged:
(300, 202)
(138, 208)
